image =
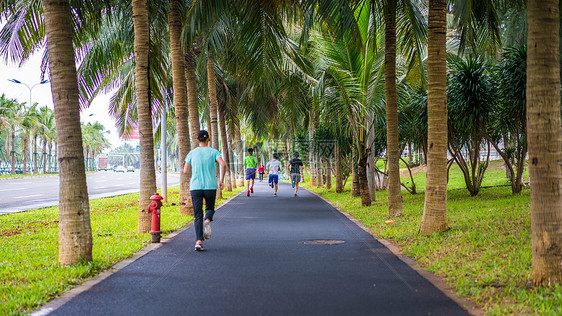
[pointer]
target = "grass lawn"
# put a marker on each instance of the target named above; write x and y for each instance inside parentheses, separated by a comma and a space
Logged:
(29, 273)
(485, 256)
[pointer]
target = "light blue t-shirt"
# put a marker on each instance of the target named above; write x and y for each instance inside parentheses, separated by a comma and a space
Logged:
(202, 160)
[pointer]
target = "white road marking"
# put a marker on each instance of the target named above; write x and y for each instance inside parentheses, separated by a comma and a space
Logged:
(15, 189)
(27, 196)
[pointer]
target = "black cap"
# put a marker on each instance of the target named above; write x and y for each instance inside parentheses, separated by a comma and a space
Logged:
(202, 136)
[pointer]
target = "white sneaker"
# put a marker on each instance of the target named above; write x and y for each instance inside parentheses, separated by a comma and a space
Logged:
(207, 229)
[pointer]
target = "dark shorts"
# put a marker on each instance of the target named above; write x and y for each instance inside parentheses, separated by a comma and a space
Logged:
(250, 174)
(274, 178)
(295, 177)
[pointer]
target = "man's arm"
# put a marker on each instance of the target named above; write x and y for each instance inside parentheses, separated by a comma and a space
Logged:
(186, 167)
(223, 171)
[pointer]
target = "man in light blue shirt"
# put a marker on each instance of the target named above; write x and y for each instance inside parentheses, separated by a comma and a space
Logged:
(203, 185)
(273, 167)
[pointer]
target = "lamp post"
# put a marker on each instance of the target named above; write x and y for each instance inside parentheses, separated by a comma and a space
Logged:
(28, 87)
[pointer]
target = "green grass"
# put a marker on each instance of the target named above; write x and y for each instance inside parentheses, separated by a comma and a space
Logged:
(494, 176)
(485, 256)
(30, 275)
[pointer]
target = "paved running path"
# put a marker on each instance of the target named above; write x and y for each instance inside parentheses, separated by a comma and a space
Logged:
(257, 263)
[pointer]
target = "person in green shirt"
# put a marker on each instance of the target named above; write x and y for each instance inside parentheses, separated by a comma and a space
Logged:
(250, 162)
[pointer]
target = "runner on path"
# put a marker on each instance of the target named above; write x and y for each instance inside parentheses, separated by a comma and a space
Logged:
(250, 162)
(203, 185)
(261, 171)
(273, 167)
(295, 164)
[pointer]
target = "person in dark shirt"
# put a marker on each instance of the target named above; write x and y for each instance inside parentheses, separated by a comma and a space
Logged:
(295, 164)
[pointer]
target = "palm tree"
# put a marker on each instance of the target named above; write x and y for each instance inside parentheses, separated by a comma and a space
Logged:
(29, 122)
(545, 139)
(394, 190)
(12, 119)
(213, 108)
(434, 217)
(180, 102)
(144, 110)
(192, 99)
(75, 234)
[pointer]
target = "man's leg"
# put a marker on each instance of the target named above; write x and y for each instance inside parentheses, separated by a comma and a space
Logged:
(210, 197)
(197, 199)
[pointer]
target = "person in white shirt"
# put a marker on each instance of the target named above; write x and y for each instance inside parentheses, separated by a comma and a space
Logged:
(273, 167)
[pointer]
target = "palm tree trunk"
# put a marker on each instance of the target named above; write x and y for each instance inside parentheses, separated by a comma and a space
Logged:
(142, 87)
(75, 233)
(311, 167)
(434, 217)
(25, 152)
(35, 153)
(213, 107)
(319, 172)
(180, 102)
(339, 171)
(394, 190)
(328, 173)
(13, 152)
(545, 142)
(45, 154)
(239, 151)
(355, 184)
(228, 185)
(230, 155)
(362, 175)
(192, 101)
(45, 162)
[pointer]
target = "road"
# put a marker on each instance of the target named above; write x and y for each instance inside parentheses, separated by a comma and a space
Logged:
(36, 192)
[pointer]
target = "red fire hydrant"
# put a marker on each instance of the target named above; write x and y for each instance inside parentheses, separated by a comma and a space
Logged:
(154, 208)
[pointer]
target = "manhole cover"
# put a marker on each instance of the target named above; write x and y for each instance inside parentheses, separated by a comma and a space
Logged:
(323, 242)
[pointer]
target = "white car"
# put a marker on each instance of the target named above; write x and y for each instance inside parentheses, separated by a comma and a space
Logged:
(130, 169)
(119, 169)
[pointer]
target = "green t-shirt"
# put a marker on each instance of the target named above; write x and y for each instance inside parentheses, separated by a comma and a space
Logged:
(202, 161)
(250, 162)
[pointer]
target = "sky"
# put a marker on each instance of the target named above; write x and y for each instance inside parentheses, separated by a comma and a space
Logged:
(30, 74)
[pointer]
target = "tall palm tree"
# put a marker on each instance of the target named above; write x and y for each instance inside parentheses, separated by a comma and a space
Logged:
(192, 99)
(75, 234)
(434, 217)
(545, 139)
(28, 124)
(144, 110)
(213, 108)
(180, 101)
(394, 189)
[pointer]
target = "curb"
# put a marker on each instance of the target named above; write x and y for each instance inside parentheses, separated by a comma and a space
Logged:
(436, 280)
(87, 285)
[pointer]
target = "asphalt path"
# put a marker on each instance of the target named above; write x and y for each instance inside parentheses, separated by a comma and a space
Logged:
(21, 194)
(263, 259)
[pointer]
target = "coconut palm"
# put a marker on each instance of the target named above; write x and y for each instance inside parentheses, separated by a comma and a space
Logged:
(11, 119)
(29, 122)
(434, 217)
(144, 111)
(545, 139)
(180, 100)
(75, 235)
(348, 86)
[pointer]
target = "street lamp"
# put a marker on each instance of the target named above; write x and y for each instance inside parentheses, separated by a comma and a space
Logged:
(28, 87)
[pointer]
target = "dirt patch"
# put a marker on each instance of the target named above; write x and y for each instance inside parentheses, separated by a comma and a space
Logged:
(415, 170)
(10, 232)
(31, 228)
